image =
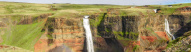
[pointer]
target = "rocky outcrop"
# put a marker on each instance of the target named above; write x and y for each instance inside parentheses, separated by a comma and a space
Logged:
(183, 45)
(29, 19)
(186, 9)
(179, 24)
(130, 25)
(106, 26)
(61, 34)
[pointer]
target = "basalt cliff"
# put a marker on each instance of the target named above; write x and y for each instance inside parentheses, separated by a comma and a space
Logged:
(28, 27)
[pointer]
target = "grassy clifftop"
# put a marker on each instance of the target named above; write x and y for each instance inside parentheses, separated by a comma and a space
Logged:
(60, 10)
(13, 8)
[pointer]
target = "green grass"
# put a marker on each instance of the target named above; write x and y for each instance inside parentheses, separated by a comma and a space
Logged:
(97, 20)
(165, 10)
(62, 10)
(136, 47)
(83, 6)
(183, 5)
(173, 42)
(120, 35)
(134, 11)
(168, 11)
(12, 8)
(24, 36)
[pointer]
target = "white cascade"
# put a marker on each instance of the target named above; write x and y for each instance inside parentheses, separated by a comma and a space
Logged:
(89, 39)
(155, 10)
(167, 29)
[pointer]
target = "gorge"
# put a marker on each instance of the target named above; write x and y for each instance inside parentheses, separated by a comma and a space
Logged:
(29, 27)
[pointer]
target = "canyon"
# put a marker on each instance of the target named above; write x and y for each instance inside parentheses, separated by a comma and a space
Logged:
(61, 28)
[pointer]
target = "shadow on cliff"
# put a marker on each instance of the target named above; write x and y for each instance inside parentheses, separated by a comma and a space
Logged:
(85, 46)
(130, 27)
(184, 29)
(105, 31)
(101, 27)
(49, 26)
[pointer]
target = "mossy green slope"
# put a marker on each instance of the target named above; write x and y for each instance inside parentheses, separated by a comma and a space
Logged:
(24, 36)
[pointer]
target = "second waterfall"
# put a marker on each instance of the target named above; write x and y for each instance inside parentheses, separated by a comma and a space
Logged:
(167, 29)
(89, 39)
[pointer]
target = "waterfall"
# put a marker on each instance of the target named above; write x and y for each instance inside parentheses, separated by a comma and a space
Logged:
(155, 10)
(89, 41)
(167, 29)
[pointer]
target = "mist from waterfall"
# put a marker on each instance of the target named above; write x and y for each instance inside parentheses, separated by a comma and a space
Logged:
(89, 39)
(167, 29)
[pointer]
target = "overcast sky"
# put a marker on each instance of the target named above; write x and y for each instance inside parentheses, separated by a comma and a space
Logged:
(115, 2)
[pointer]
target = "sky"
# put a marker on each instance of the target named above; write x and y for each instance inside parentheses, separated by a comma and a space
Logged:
(114, 2)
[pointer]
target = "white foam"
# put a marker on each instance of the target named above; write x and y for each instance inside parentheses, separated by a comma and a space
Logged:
(167, 29)
(155, 10)
(89, 39)
(86, 16)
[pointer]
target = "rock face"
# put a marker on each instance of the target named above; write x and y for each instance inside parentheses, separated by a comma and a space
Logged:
(129, 31)
(183, 45)
(179, 24)
(154, 31)
(61, 35)
(186, 9)
(107, 42)
(113, 32)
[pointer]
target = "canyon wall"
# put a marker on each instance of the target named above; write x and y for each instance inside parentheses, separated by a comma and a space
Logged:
(111, 30)
(62, 34)
(136, 33)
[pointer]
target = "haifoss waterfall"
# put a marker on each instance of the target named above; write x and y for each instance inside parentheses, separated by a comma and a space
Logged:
(89, 39)
(167, 29)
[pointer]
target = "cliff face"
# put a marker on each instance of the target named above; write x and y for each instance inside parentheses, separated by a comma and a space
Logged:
(120, 29)
(179, 24)
(58, 27)
(48, 34)
(136, 33)
(61, 34)
(152, 36)
(117, 33)
(114, 33)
